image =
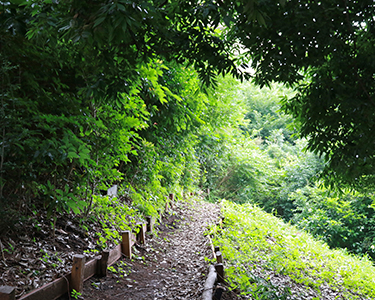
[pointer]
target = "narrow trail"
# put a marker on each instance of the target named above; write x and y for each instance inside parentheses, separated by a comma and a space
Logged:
(170, 266)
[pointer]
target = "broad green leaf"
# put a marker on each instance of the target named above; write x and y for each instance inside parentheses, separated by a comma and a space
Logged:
(98, 21)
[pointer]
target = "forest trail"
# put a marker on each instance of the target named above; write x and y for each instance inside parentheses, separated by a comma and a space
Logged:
(171, 265)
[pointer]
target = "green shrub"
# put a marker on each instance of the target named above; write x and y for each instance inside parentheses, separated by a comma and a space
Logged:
(114, 216)
(344, 221)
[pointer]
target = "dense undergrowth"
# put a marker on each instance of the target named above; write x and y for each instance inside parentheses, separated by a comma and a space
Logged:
(251, 237)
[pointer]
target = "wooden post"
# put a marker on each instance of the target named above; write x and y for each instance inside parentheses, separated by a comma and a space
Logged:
(126, 243)
(212, 247)
(167, 204)
(7, 292)
(217, 248)
(171, 197)
(220, 272)
(103, 264)
(141, 235)
(78, 272)
(160, 215)
(218, 292)
(219, 258)
(150, 223)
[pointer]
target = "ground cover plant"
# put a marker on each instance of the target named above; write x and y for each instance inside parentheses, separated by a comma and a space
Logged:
(252, 237)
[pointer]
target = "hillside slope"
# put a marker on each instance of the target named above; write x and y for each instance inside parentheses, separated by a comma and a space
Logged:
(269, 259)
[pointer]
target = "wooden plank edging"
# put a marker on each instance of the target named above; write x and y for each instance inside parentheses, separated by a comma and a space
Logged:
(114, 255)
(52, 290)
(91, 268)
(63, 285)
(58, 287)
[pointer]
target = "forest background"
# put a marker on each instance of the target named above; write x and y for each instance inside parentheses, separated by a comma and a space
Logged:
(149, 95)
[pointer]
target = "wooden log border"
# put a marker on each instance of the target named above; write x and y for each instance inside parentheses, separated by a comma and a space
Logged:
(81, 270)
(208, 288)
(215, 275)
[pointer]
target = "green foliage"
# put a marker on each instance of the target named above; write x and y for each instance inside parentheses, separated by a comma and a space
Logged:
(74, 124)
(346, 221)
(251, 238)
(292, 168)
(260, 288)
(94, 94)
(75, 294)
(81, 82)
(263, 111)
(221, 148)
(62, 200)
(114, 216)
(173, 125)
(326, 50)
(246, 171)
(275, 171)
(289, 166)
(120, 269)
(262, 162)
(150, 200)
(96, 55)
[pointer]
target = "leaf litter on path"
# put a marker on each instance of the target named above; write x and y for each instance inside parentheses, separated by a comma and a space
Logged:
(171, 265)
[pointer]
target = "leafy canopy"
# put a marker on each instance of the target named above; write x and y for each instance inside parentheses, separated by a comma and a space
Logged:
(326, 50)
(323, 48)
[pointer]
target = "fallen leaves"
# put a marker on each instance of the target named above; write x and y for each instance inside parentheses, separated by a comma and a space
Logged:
(174, 265)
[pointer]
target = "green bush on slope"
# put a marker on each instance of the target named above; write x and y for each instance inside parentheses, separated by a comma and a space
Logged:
(252, 237)
(345, 221)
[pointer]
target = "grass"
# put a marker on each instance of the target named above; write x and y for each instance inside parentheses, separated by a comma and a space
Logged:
(251, 237)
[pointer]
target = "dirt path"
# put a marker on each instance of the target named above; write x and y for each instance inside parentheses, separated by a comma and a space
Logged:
(170, 266)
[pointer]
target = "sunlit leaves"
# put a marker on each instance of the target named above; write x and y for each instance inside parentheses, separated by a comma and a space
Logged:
(254, 242)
